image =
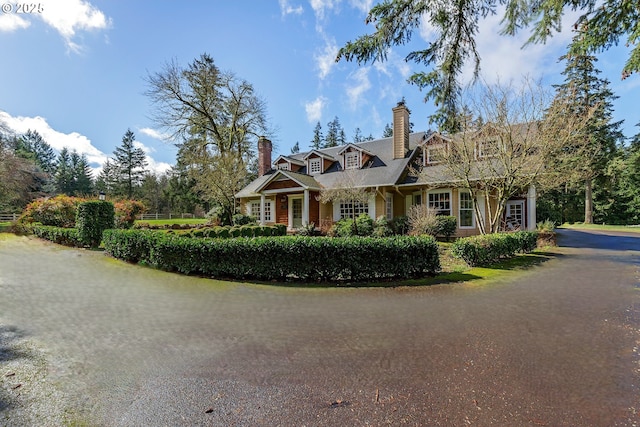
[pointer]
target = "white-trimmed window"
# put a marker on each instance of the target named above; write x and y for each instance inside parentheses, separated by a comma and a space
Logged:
(284, 166)
(465, 210)
(254, 210)
(352, 160)
(416, 198)
(436, 154)
(441, 202)
(488, 148)
(353, 209)
(315, 166)
(389, 205)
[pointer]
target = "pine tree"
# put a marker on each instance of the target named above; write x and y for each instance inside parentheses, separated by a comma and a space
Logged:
(335, 134)
(32, 145)
(296, 148)
(82, 175)
(107, 179)
(63, 177)
(357, 136)
(316, 142)
(388, 131)
(584, 94)
(130, 163)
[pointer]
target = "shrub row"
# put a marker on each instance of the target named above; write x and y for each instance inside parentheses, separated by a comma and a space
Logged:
(228, 232)
(92, 218)
(489, 248)
(60, 235)
(279, 258)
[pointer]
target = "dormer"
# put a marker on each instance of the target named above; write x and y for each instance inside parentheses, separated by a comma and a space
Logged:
(317, 162)
(354, 157)
(288, 164)
(435, 149)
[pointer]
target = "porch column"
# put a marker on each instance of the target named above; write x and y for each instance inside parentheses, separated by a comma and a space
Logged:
(305, 208)
(531, 208)
(262, 209)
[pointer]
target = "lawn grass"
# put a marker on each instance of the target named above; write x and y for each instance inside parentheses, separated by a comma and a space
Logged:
(4, 226)
(602, 227)
(173, 221)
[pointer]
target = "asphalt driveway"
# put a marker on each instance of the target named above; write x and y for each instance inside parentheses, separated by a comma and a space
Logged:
(88, 340)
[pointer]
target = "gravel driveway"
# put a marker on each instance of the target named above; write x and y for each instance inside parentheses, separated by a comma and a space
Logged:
(88, 340)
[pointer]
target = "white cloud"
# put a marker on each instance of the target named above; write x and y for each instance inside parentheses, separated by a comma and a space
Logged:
(67, 17)
(154, 134)
(72, 141)
(326, 59)
(321, 6)
(360, 86)
(56, 139)
(152, 164)
(11, 22)
(362, 5)
(314, 109)
(287, 9)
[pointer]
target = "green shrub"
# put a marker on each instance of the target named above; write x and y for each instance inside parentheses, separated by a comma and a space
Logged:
(59, 211)
(281, 230)
(130, 245)
(127, 211)
(307, 230)
(242, 219)
(445, 226)
(382, 227)
(400, 225)
(490, 248)
(546, 226)
(287, 257)
(92, 218)
(60, 235)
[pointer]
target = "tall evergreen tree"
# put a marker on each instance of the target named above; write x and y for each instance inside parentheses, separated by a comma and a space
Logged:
(63, 178)
(584, 94)
(335, 134)
(32, 145)
(107, 179)
(130, 163)
(388, 131)
(316, 142)
(82, 174)
(357, 136)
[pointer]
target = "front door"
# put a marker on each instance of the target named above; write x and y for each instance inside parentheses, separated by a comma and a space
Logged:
(514, 215)
(296, 212)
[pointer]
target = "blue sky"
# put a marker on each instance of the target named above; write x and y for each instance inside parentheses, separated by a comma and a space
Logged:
(75, 70)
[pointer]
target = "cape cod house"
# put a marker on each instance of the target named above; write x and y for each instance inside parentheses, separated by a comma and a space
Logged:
(287, 189)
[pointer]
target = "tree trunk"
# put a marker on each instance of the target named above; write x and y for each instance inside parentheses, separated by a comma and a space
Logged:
(588, 202)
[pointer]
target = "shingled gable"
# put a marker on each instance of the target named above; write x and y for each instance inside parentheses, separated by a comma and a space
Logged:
(300, 180)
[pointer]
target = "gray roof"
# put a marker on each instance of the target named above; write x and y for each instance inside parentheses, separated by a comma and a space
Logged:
(381, 170)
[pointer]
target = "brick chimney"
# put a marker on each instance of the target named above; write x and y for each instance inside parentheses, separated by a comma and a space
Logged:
(400, 130)
(264, 155)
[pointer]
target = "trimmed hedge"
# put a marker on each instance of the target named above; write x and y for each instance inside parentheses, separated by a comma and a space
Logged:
(92, 218)
(490, 248)
(59, 235)
(280, 258)
(227, 232)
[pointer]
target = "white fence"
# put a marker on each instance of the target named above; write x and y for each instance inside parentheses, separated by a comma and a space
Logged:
(8, 217)
(166, 216)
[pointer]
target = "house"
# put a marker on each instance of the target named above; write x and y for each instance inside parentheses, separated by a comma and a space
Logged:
(287, 189)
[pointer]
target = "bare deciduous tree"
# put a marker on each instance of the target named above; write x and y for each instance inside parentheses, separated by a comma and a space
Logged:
(216, 117)
(519, 145)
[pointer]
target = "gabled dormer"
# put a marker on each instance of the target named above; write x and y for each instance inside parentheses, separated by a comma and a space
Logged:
(317, 162)
(288, 164)
(435, 149)
(354, 157)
